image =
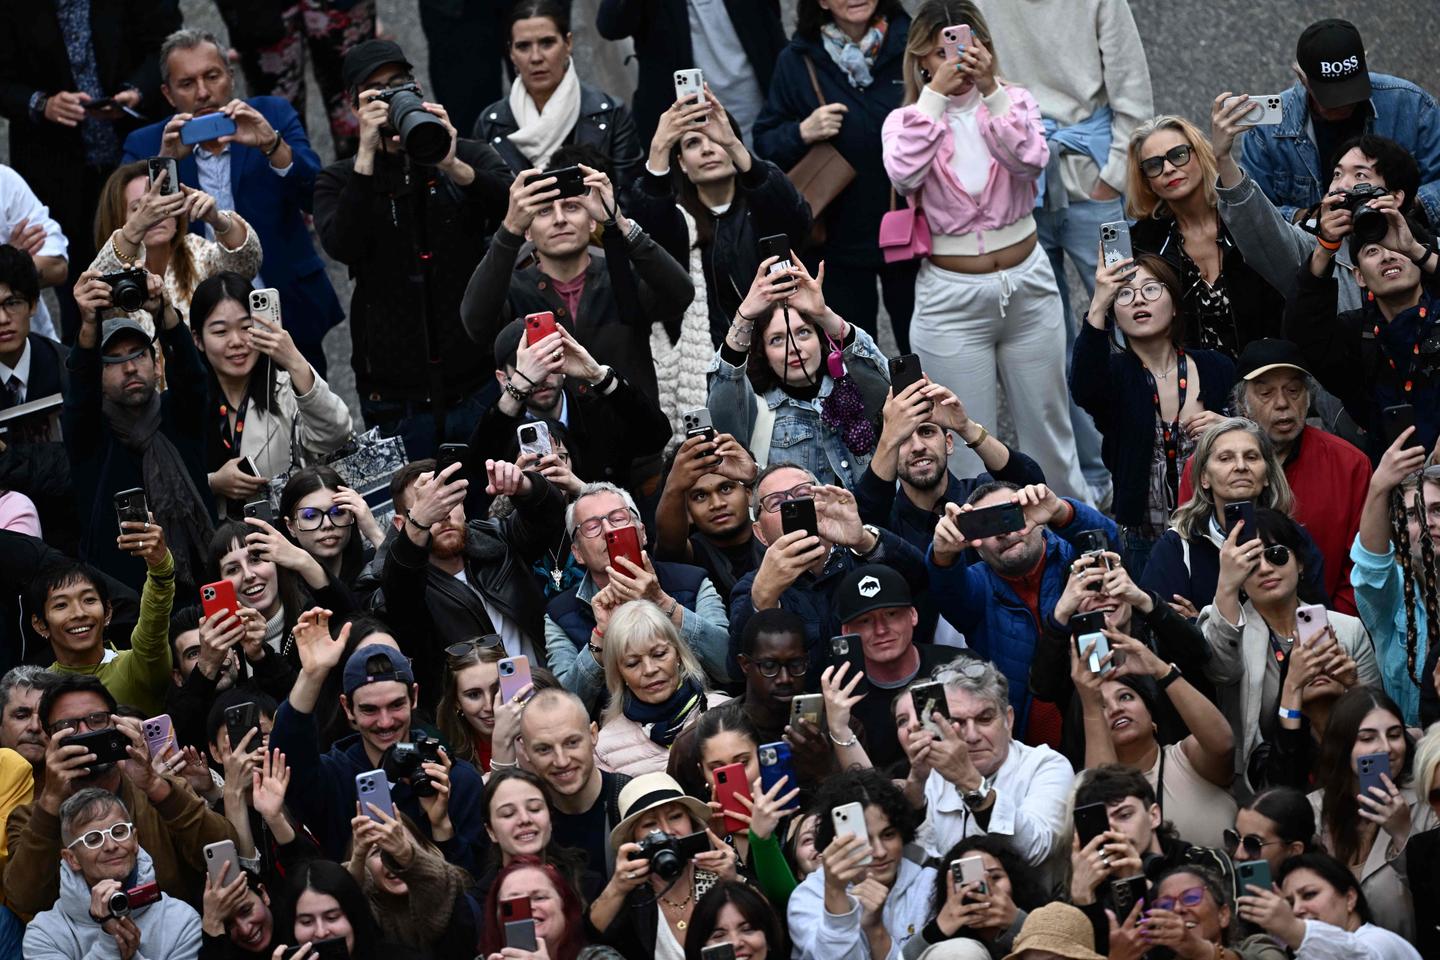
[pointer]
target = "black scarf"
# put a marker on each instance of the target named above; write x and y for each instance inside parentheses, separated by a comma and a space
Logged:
(664, 720)
(177, 505)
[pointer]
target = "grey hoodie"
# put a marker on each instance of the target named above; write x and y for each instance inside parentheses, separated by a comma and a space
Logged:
(169, 928)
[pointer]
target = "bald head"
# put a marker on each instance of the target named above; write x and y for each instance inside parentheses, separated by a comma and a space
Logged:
(559, 743)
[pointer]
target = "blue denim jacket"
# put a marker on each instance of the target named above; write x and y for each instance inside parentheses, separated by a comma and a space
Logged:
(1284, 162)
(799, 437)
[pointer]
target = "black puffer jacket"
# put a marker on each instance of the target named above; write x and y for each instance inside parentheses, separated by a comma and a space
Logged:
(605, 124)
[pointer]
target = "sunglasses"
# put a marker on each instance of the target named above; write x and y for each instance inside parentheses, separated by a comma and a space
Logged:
(465, 647)
(1178, 157)
(1277, 555)
(1192, 897)
(1252, 843)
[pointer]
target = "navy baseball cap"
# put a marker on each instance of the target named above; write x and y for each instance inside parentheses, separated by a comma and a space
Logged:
(376, 664)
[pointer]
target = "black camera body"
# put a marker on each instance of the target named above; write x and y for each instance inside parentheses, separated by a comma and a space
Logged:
(1367, 223)
(668, 853)
(422, 134)
(403, 763)
(128, 289)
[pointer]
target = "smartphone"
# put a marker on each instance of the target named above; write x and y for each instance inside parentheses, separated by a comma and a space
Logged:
(166, 166)
(690, 85)
(569, 180)
(217, 598)
(1237, 511)
(995, 521)
(1395, 421)
(1311, 620)
(698, 423)
(247, 467)
(970, 870)
(211, 126)
(452, 453)
(904, 371)
(372, 787)
(849, 820)
(1102, 647)
(261, 510)
(1252, 872)
(624, 542)
(265, 303)
(1265, 111)
(775, 764)
(98, 104)
(718, 951)
(108, 745)
(799, 515)
(847, 648)
(730, 783)
(520, 935)
(538, 326)
(159, 733)
(331, 948)
(1115, 242)
(516, 908)
(1090, 542)
(216, 856)
(807, 706)
(1091, 820)
(534, 438)
(954, 39)
(514, 677)
(240, 720)
(776, 245)
(131, 506)
(1369, 768)
(930, 698)
(1083, 623)
(1125, 893)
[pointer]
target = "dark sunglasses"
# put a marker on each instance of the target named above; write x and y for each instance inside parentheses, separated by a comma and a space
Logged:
(1178, 157)
(1252, 843)
(465, 647)
(1277, 555)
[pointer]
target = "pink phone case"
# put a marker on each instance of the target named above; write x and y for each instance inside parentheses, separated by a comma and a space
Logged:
(514, 677)
(157, 734)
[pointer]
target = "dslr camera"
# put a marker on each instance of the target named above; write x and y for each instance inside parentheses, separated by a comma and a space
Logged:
(1367, 224)
(668, 853)
(421, 132)
(122, 902)
(403, 763)
(128, 289)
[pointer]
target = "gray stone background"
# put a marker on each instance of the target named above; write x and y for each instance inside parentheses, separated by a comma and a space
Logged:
(1195, 50)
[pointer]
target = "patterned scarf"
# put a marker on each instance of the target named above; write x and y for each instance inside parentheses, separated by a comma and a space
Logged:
(855, 59)
(662, 721)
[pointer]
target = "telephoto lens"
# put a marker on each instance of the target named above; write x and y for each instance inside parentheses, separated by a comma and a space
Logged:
(421, 132)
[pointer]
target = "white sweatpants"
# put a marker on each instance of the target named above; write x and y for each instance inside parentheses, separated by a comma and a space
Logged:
(967, 327)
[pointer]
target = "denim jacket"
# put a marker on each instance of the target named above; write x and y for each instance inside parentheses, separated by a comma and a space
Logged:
(1284, 162)
(799, 436)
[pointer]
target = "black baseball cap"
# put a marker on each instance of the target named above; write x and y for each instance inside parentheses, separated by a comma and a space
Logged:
(1333, 57)
(1264, 355)
(871, 587)
(365, 58)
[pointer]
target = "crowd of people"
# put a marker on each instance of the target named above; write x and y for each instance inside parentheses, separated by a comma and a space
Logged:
(648, 609)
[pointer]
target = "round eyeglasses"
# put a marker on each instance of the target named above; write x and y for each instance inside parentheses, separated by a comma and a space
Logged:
(313, 518)
(95, 839)
(1149, 292)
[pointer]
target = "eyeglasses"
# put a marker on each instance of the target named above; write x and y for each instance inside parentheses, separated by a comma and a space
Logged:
(771, 501)
(1277, 555)
(14, 306)
(99, 720)
(1252, 843)
(1192, 897)
(465, 647)
(972, 670)
(1149, 292)
(95, 839)
(590, 529)
(1177, 155)
(770, 669)
(313, 518)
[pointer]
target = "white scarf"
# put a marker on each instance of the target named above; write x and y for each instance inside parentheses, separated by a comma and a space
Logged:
(542, 132)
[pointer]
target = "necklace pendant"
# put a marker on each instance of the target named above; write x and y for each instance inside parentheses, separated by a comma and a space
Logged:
(681, 924)
(557, 576)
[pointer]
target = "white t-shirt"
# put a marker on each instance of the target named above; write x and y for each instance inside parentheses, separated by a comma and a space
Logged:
(516, 643)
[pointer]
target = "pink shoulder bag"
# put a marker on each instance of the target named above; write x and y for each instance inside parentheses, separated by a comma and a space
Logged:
(904, 233)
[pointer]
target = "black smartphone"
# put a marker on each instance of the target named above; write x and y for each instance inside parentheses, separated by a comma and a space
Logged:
(1395, 421)
(904, 370)
(109, 745)
(451, 453)
(1241, 510)
(247, 467)
(847, 648)
(776, 245)
(1090, 542)
(1368, 770)
(131, 507)
(331, 948)
(261, 510)
(1252, 872)
(1125, 893)
(1091, 820)
(569, 180)
(1083, 623)
(994, 521)
(239, 720)
(799, 515)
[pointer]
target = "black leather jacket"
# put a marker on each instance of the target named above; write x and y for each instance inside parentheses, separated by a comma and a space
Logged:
(605, 124)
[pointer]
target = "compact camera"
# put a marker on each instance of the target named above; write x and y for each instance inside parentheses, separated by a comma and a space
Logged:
(128, 289)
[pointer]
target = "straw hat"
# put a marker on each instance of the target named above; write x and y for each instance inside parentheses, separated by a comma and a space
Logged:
(646, 792)
(1057, 928)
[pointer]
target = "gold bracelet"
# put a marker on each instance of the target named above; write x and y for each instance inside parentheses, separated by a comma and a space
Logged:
(980, 439)
(115, 245)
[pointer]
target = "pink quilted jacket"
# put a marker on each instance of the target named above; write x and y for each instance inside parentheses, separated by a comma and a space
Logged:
(625, 747)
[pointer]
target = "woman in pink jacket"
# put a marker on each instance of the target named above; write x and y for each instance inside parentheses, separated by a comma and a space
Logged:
(968, 150)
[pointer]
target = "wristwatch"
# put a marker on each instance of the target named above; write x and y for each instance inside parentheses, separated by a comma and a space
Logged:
(872, 529)
(976, 797)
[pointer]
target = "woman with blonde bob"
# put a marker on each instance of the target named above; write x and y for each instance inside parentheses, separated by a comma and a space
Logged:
(1171, 195)
(657, 688)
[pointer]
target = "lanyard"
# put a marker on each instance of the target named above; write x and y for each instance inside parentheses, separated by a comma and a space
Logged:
(1409, 374)
(1281, 655)
(1170, 432)
(230, 441)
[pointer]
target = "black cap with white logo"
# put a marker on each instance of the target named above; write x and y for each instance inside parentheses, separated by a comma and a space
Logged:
(1333, 57)
(871, 587)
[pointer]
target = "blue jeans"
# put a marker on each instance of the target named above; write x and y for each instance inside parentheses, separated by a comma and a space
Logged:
(1076, 231)
(11, 933)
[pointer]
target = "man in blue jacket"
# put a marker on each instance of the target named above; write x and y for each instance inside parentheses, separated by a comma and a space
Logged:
(1335, 100)
(265, 171)
(379, 693)
(1000, 601)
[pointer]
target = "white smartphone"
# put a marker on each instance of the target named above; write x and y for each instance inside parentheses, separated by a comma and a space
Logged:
(216, 856)
(266, 303)
(535, 438)
(1265, 110)
(1115, 242)
(1311, 619)
(849, 820)
(954, 39)
(690, 85)
(970, 870)
(1102, 648)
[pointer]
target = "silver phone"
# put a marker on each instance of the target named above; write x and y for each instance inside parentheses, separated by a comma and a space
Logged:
(535, 438)
(216, 856)
(690, 85)
(1265, 110)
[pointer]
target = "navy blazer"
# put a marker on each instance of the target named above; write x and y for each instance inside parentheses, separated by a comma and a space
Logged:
(276, 207)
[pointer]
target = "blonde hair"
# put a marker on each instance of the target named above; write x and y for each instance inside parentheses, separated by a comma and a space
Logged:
(112, 212)
(640, 621)
(1140, 199)
(1427, 759)
(926, 25)
(1190, 518)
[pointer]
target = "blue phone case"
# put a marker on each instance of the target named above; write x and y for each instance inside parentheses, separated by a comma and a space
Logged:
(206, 128)
(774, 764)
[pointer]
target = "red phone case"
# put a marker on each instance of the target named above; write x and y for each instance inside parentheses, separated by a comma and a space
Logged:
(538, 326)
(516, 908)
(217, 597)
(624, 542)
(730, 782)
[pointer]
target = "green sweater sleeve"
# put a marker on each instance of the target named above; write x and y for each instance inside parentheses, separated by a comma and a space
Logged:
(771, 870)
(141, 675)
